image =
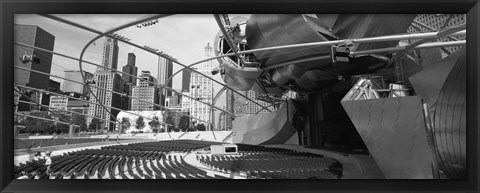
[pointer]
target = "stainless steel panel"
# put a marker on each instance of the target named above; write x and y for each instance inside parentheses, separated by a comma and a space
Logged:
(285, 29)
(449, 124)
(442, 86)
(269, 128)
(393, 129)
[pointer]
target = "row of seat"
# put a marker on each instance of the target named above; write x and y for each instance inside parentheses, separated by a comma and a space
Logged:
(154, 160)
(148, 160)
(271, 163)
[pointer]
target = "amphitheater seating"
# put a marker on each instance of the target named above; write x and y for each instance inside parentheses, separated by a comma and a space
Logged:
(155, 161)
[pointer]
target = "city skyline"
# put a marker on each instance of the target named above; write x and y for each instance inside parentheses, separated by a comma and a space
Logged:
(185, 37)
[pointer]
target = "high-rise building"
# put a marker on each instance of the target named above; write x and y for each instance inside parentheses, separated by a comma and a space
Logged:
(201, 89)
(147, 92)
(34, 36)
(165, 70)
(76, 75)
(130, 81)
(38, 60)
(131, 69)
(108, 81)
(186, 74)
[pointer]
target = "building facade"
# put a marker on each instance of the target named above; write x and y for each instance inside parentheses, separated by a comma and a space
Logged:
(186, 102)
(165, 70)
(39, 61)
(35, 36)
(59, 103)
(201, 89)
(130, 69)
(147, 92)
(107, 81)
(76, 75)
(175, 100)
(130, 81)
(186, 75)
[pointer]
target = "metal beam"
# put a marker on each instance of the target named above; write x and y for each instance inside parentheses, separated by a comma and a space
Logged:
(421, 46)
(230, 42)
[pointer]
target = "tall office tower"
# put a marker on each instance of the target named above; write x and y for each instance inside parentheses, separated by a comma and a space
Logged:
(131, 69)
(130, 81)
(76, 75)
(107, 81)
(34, 36)
(201, 89)
(41, 61)
(186, 74)
(165, 70)
(147, 92)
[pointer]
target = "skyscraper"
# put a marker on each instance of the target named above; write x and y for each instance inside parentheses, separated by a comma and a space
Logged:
(76, 75)
(109, 81)
(186, 75)
(147, 92)
(41, 61)
(165, 70)
(201, 89)
(130, 81)
(131, 69)
(35, 36)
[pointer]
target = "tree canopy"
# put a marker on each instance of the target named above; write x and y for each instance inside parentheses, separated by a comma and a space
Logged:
(80, 121)
(95, 124)
(155, 123)
(140, 123)
(200, 127)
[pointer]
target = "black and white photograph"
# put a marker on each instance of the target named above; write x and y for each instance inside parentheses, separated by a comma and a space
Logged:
(240, 96)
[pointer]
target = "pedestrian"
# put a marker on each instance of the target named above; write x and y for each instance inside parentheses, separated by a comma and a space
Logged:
(48, 161)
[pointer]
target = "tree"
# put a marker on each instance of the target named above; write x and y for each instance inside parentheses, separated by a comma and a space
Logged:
(35, 125)
(154, 124)
(80, 121)
(95, 124)
(183, 124)
(125, 122)
(140, 123)
(169, 121)
(176, 120)
(200, 127)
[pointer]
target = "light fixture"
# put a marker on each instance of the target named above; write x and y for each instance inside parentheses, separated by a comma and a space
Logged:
(215, 71)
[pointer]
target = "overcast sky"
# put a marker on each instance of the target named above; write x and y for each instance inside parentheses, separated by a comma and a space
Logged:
(181, 36)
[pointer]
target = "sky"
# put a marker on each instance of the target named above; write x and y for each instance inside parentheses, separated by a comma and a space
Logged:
(182, 36)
